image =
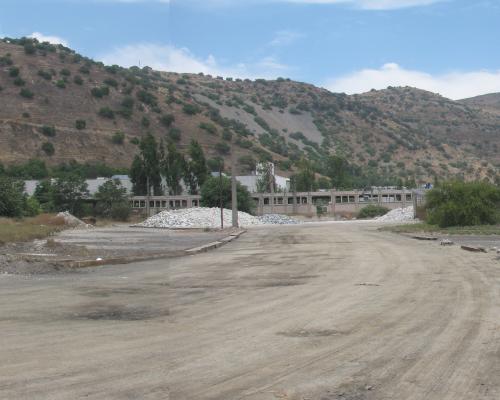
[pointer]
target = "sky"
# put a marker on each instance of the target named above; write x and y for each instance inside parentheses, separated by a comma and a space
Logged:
(450, 47)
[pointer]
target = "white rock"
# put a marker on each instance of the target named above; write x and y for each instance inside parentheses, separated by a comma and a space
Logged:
(398, 215)
(204, 217)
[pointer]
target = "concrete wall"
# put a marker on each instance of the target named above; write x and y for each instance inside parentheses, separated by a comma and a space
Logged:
(332, 202)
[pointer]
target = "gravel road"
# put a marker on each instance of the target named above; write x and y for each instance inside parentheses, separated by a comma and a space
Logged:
(314, 311)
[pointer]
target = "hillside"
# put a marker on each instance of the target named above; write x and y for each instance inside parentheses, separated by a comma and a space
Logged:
(489, 102)
(401, 132)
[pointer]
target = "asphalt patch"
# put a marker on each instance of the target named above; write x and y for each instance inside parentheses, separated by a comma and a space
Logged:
(118, 313)
(311, 333)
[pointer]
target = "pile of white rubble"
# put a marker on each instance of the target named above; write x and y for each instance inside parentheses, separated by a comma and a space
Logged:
(72, 221)
(398, 215)
(204, 217)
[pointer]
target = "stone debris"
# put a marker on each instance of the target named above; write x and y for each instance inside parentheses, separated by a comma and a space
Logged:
(72, 221)
(398, 215)
(204, 217)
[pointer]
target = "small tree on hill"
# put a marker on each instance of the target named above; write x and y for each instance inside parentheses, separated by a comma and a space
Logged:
(112, 201)
(69, 193)
(211, 190)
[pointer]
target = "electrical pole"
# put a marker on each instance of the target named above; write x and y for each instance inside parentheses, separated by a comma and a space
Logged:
(148, 194)
(234, 192)
(220, 198)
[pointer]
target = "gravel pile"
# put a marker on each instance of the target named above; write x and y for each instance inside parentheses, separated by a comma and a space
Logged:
(277, 219)
(204, 217)
(398, 215)
(72, 221)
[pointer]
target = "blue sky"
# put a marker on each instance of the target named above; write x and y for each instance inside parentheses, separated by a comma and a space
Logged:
(447, 46)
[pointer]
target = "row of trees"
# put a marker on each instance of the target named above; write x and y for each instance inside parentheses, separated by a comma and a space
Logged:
(68, 193)
(158, 160)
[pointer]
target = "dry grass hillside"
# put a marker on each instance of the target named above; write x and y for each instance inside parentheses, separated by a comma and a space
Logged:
(59, 106)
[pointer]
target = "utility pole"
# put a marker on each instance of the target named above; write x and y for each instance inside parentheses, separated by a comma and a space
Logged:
(148, 194)
(220, 198)
(234, 192)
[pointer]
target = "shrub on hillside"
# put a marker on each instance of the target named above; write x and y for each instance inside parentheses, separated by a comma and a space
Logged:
(118, 137)
(106, 112)
(222, 148)
(167, 120)
(191, 109)
(174, 134)
(209, 127)
(29, 48)
(463, 204)
(99, 92)
(48, 148)
(19, 81)
(45, 74)
(372, 211)
(49, 131)
(111, 82)
(61, 84)
(65, 72)
(147, 98)
(13, 72)
(26, 93)
(78, 80)
(80, 124)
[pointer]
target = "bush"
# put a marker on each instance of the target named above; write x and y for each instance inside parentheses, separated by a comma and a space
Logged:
(48, 148)
(209, 127)
(61, 84)
(167, 120)
(463, 204)
(99, 92)
(227, 135)
(111, 82)
(118, 137)
(210, 194)
(13, 72)
(372, 211)
(191, 109)
(49, 131)
(26, 93)
(29, 48)
(65, 72)
(80, 124)
(222, 148)
(135, 141)
(127, 102)
(106, 112)
(78, 80)
(145, 122)
(147, 98)
(175, 134)
(19, 81)
(45, 74)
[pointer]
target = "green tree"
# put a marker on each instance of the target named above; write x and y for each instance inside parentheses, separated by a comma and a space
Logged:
(211, 193)
(44, 194)
(304, 179)
(337, 169)
(198, 163)
(11, 197)
(112, 201)
(174, 167)
(69, 193)
(266, 182)
(147, 164)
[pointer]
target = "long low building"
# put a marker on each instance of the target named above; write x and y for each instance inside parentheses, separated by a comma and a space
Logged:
(304, 203)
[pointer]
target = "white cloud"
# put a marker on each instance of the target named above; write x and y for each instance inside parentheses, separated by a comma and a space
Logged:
(174, 59)
(285, 38)
(454, 85)
(46, 38)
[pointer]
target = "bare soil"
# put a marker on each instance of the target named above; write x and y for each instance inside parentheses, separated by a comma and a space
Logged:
(315, 311)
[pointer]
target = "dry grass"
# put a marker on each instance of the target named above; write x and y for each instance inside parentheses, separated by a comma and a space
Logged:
(22, 230)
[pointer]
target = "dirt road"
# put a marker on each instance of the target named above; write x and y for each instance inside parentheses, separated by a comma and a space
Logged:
(332, 311)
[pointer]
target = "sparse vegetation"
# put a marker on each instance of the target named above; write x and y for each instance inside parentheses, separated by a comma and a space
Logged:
(372, 211)
(26, 93)
(48, 148)
(80, 124)
(106, 112)
(47, 130)
(118, 137)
